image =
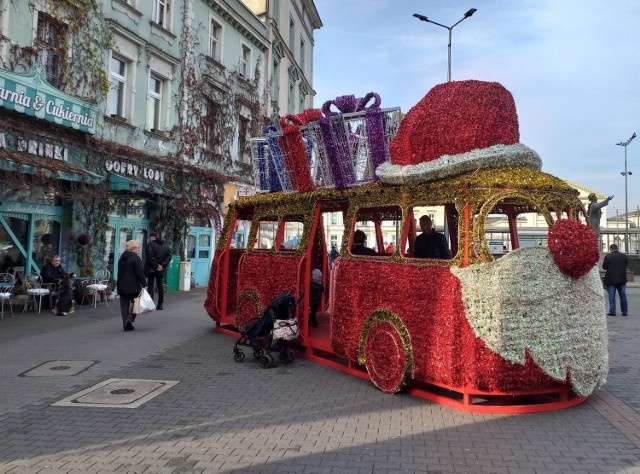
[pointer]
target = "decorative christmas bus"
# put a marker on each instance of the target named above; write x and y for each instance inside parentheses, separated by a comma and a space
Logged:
(521, 333)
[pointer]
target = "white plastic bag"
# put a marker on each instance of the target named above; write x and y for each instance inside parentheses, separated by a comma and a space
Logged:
(143, 303)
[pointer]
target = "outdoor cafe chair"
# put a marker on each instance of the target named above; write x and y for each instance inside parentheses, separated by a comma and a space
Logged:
(36, 290)
(7, 282)
(97, 286)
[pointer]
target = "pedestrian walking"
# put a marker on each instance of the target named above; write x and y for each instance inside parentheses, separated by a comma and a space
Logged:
(615, 277)
(130, 282)
(158, 258)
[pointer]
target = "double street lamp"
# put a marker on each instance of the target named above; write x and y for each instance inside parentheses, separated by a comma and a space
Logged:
(625, 173)
(466, 15)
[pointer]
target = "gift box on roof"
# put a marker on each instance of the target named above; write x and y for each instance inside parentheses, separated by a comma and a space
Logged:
(334, 137)
(278, 175)
(357, 137)
(456, 128)
(295, 149)
(317, 155)
(261, 169)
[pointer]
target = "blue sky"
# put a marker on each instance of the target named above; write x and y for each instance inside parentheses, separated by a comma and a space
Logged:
(572, 66)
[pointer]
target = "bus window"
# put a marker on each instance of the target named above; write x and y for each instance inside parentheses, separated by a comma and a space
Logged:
(381, 227)
(240, 234)
(266, 235)
(429, 219)
(293, 228)
(509, 226)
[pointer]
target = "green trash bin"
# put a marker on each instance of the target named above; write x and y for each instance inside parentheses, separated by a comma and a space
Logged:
(173, 274)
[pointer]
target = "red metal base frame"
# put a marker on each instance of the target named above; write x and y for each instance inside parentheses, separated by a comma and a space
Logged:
(466, 400)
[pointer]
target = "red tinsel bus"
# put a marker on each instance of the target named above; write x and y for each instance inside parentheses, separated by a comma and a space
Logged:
(524, 332)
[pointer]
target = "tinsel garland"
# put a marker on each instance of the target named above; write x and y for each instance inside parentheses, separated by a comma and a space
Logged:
(256, 278)
(574, 247)
(445, 350)
(213, 289)
(249, 306)
(295, 153)
(278, 178)
(452, 165)
(522, 304)
(385, 347)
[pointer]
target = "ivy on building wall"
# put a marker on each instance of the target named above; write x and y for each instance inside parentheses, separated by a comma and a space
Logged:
(211, 99)
(80, 38)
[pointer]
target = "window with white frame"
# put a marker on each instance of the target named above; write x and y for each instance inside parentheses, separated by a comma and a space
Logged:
(302, 98)
(49, 42)
(245, 62)
(210, 122)
(276, 10)
(302, 55)
(275, 83)
(117, 89)
(160, 12)
(292, 34)
(243, 127)
(154, 102)
(215, 35)
(292, 97)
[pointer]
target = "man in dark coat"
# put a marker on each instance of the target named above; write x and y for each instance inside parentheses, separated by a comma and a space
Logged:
(359, 247)
(615, 277)
(130, 282)
(158, 257)
(430, 244)
(53, 271)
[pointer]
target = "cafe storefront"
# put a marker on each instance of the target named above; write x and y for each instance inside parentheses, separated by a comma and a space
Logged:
(62, 191)
(66, 191)
(43, 163)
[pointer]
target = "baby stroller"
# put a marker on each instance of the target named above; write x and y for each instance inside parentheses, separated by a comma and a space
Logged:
(270, 332)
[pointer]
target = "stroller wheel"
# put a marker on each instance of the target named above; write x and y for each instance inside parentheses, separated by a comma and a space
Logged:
(286, 356)
(258, 353)
(267, 361)
(238, 356)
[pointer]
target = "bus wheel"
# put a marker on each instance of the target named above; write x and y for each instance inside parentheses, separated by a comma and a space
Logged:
(387, 351)
(248, 306)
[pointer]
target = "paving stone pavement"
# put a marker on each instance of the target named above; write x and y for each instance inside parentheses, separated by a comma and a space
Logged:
(300, 418)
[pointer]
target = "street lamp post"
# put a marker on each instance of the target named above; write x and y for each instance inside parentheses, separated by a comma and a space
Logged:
(625, 173)
(466, 15)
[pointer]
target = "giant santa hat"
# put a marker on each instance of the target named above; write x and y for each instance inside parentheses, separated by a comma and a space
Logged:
(456, 128)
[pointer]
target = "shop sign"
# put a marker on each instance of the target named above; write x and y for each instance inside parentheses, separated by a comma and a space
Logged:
(245, 191)
(28, 208)
(32, 95)
(38, 148)
(131, 169)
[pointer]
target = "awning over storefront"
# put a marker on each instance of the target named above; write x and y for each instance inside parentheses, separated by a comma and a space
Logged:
(11, 161)
(122, 183)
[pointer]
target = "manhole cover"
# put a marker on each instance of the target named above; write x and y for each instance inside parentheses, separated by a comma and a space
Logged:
(118, 393)
(122, 391)
(59, 368)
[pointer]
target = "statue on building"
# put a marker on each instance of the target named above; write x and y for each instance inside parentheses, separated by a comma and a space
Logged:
(594, 212)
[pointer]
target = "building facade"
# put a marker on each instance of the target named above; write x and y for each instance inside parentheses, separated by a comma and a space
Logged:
(289, 60)
(122, 117)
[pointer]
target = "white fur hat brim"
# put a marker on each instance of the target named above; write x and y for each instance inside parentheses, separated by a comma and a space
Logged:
(496, 156)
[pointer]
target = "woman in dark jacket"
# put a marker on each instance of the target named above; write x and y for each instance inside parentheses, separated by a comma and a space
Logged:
(130, 282)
